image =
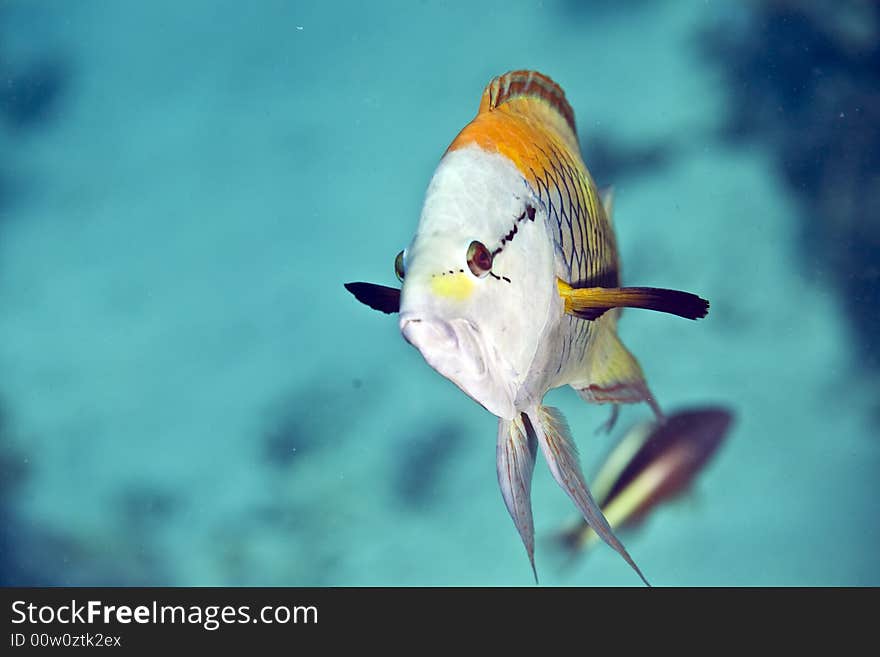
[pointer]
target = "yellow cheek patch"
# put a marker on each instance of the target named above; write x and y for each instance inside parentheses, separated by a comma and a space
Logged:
(452, 286)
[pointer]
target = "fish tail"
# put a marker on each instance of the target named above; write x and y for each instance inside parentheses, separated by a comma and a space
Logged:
(552, 433)
(516, 453)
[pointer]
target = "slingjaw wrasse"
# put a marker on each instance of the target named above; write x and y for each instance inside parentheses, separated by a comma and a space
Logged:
(511, 287)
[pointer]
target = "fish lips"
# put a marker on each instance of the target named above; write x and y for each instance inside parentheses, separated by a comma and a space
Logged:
(456, 350)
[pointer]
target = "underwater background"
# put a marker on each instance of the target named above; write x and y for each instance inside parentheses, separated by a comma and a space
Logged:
(189, 396)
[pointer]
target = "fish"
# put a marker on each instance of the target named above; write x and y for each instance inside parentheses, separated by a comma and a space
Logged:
(654, 463)
(511, 287)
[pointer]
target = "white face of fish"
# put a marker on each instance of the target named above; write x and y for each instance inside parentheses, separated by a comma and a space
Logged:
(480, 328)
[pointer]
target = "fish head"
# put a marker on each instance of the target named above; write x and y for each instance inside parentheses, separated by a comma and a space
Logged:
(479, 283)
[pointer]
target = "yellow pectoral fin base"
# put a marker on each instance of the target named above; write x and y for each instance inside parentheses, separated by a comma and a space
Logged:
(592, 302)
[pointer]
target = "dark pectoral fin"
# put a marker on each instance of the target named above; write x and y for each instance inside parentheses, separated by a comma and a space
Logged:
(592, 302)
(377, 297)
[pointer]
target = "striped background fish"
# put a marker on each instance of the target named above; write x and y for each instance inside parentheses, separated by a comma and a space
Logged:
(511, 287)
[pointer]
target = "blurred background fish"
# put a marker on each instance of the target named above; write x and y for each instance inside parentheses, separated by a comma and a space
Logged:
(651, 465)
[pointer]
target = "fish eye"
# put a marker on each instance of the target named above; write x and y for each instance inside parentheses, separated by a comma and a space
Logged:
(479, 259)
(399, 267)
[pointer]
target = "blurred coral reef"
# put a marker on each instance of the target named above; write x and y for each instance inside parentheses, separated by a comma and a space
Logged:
(804, 77)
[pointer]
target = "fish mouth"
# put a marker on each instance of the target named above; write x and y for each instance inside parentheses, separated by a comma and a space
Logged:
(450, 347)
(426, 330)
(457, 350)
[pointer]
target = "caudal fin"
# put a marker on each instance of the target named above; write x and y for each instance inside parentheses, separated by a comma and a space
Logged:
(552, 433)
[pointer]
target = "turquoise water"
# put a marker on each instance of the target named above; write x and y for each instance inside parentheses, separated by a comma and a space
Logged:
(188, 396)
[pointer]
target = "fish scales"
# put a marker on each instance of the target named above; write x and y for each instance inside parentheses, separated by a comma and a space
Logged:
(589, 249)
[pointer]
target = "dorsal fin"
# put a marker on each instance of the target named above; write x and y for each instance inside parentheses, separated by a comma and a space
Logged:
(530, 85)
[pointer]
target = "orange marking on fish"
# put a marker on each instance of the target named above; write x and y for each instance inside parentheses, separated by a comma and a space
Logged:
(525, 117)
(517, 131)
